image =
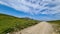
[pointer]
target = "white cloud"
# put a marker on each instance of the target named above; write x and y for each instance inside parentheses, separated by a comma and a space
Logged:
(34, 8)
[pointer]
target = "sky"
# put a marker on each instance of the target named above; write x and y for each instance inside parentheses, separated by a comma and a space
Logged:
(37, 9)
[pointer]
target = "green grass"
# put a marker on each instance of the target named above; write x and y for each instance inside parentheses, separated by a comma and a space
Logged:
(55, 22)
(7, 22)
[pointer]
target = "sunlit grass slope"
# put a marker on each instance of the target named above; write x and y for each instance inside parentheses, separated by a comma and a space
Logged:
(7, 22)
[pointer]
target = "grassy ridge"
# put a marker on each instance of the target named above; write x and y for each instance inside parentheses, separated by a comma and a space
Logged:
(7, 22)
(55, 22)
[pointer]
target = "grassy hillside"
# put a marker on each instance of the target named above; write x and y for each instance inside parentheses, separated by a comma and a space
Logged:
(55, 22)
(8, 23)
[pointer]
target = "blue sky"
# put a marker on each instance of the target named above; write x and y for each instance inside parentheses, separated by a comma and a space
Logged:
(10, 11)
(45, 10)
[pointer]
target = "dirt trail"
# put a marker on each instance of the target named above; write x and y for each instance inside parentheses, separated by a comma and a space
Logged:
(40, 28)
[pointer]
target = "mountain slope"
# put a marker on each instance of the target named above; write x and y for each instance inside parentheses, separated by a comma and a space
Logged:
(7, 23)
